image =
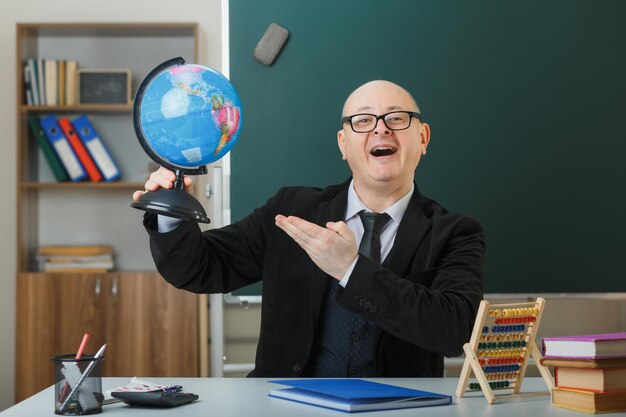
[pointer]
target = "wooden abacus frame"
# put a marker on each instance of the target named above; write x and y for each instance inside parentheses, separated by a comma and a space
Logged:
(502, 341)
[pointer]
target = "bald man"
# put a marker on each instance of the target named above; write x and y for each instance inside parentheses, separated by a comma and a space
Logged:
(331, 308)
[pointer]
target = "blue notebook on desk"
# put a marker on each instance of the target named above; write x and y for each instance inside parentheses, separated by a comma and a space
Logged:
(355, 395)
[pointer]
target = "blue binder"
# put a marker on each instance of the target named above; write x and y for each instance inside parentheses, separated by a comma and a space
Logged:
(63, 148)
(97, 150)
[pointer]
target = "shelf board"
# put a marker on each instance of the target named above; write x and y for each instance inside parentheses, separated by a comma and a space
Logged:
(82, 185)
(80, 108)
(188, 29)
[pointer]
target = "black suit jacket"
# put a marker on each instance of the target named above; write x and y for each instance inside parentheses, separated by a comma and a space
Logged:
(423, 298)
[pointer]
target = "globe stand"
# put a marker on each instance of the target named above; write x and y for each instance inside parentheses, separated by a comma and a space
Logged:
(175, 202)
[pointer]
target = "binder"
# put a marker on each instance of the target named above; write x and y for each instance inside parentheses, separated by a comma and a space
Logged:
(80, 150)
(96, 148)
(63, 148)
(48, 152)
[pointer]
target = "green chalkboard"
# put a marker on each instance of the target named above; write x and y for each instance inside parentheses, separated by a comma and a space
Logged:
(525, 102)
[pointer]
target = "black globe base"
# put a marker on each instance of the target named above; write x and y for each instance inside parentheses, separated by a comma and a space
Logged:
(173, 203)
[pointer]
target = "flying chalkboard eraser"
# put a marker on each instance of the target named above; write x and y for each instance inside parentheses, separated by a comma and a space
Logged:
(270, 44)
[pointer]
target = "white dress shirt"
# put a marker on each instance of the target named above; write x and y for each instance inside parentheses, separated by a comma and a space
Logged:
(387, 236)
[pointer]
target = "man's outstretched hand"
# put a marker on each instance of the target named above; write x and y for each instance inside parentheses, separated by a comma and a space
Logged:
(332, 249)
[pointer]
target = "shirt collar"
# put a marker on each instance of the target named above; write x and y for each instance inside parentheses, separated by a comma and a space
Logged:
(395, 211)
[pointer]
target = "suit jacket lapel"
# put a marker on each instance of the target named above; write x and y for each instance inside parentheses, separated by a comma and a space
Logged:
(415, 224)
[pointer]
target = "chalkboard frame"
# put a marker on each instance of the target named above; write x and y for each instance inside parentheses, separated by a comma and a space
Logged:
(115, 83)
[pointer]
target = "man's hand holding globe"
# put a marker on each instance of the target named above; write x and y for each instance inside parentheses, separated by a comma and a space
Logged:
(162, 178)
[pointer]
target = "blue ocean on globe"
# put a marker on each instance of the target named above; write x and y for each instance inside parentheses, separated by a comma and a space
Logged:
(190, 115)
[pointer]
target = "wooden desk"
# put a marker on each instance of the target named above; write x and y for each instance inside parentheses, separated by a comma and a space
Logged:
(247, 397)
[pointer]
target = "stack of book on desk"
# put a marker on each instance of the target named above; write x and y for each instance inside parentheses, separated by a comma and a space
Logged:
(98, 258)
(589, 371)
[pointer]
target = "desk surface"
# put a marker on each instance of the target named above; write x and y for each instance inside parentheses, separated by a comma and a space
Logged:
(248, 397)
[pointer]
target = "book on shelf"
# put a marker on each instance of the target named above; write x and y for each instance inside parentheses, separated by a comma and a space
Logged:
(71, 68)
(74, 250)
(46, 148)
(63, 148)
(64, 259)
(355, 395)
(28, 93)
(79, 148)
(588, 401)
(592, 346)
(41, 76)
(31, 65)
(98, 151)
(50, 82)
(61, 81)
(78, 267)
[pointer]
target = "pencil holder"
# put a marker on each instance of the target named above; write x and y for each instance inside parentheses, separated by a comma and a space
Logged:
(77, 385)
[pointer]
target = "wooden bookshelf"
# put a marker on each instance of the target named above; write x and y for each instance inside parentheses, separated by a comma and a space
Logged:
(132, 305)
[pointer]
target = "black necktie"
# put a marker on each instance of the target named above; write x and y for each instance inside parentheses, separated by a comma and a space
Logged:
(373, 224)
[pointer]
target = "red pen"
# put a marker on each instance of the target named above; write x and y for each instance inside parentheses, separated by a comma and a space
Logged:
(79, 355)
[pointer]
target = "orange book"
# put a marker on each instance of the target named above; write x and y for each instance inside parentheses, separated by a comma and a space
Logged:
(591, 379)
(80, 150)
(62, 250)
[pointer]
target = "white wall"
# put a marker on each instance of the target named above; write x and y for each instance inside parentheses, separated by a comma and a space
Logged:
(205, 12)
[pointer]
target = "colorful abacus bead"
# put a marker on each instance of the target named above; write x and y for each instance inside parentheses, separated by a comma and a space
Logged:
(499, 384)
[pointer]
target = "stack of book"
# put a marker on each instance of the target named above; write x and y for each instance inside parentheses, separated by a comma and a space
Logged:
(50, 82)
(589, 370)
(97, 258)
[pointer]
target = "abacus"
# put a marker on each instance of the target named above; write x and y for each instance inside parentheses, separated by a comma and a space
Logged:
(502, 341)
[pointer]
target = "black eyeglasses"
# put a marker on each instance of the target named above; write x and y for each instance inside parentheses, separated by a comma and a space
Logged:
(395, 120)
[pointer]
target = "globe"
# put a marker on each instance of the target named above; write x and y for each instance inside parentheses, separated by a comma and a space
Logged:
(190, 115)
(185, 116)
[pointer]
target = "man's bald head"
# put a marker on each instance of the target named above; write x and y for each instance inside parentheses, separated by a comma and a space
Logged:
(359, 97)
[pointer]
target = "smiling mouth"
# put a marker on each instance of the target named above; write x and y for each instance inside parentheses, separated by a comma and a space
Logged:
(383, 151)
